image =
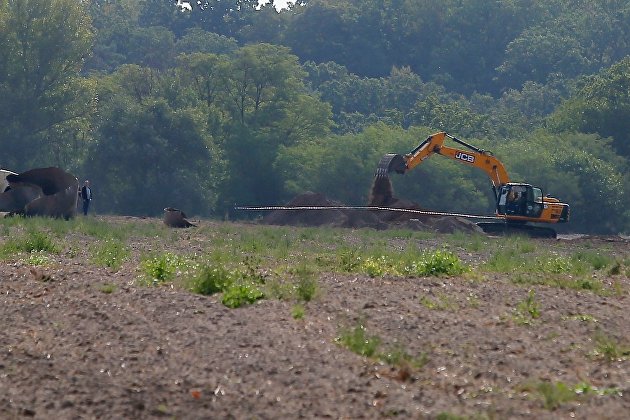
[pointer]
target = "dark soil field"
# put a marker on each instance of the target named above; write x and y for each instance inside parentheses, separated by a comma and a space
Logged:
(80, 340)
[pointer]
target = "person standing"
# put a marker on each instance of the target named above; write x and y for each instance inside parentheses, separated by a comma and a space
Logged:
(86, 196)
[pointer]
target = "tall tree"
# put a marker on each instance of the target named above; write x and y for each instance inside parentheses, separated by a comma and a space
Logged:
(149, 154)
(601, 105)
(43, 45)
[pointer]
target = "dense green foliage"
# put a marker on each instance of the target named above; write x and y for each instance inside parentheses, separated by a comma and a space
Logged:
(231, 103)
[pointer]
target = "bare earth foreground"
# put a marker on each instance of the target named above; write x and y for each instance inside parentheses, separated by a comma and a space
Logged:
(70, 350)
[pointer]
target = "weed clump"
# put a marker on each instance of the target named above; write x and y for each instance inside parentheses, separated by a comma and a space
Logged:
(610, 349)
(360, 342)
(239, 287)
(555, 394)
(437, 263)
(109, 253)
(210, 280)
(528, 310)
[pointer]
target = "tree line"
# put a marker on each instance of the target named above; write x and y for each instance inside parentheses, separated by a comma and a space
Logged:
(232, 103)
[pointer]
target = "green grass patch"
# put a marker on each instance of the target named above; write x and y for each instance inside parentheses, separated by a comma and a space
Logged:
(594, 259)
(162, 268)
(298, 311)
(554, 394)
(107, 288)
(111, 253)
(38, 258)
(357, 340)
(441, 302)
(580, 271)
(527, 310)
(27, 242)
(436, 263)
(239, 286)
(582, 318)
(427, 264)
(609, 348)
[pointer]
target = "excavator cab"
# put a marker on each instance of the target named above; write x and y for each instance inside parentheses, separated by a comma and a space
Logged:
(517, 199)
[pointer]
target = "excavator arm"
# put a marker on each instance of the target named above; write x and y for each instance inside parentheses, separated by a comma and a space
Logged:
(473, 156)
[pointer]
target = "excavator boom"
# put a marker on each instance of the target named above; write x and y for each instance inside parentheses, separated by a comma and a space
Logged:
(474, 156)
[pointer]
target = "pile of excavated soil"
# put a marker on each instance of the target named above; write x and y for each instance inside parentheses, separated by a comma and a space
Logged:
(381, 195)
(328, 217)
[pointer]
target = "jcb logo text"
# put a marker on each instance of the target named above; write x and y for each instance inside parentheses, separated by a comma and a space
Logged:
(465, 157)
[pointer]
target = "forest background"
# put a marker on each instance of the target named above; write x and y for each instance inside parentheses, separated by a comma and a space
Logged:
(203, 105)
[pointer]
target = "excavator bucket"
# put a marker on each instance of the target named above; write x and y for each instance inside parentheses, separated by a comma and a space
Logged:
(391, 162)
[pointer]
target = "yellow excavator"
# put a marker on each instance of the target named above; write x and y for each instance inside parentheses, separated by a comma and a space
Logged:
(518, 204)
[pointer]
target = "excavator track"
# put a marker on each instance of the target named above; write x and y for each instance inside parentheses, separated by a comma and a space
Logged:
(503, 228)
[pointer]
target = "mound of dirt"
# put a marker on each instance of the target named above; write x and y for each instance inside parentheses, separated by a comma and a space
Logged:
(381, 196)
(327, 217)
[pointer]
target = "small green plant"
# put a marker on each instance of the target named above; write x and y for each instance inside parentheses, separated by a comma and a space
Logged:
(378, 266)
(584, 388)
(162, 268)
(237, 295)
(527, 310)
(212, 279)
(358, 341)
(615, 270)
(109, 253)
(349, 260)
(398, 357)
(609, 349)
(436, 263)
(306, 286)
(298, 311)
(38, 258)
(441, 302)
(555, 394)
(108, 288)
(583, 318)
(239, 286)
(596, 260)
